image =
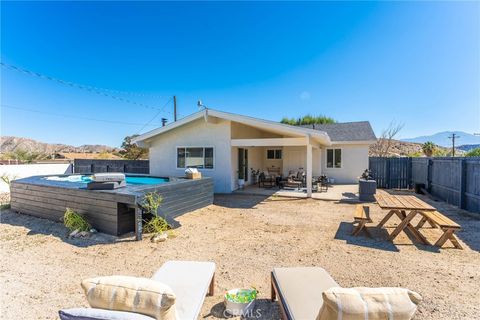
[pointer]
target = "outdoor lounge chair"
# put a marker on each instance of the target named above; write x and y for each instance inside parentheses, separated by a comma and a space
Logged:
(191, 281)
(299, 291)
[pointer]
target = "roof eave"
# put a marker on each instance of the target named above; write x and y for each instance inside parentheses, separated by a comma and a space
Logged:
(350, 142)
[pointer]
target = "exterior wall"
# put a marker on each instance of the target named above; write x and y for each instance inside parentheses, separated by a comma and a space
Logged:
(17, 171)
(354, 162)
(257, 156)
(163, 151)
(295, 158)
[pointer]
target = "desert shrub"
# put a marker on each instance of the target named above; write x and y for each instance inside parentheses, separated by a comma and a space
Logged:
(416, 154)
(74, 221)
(157, 225)
(474, 153)
(151, 202)
(7, 178)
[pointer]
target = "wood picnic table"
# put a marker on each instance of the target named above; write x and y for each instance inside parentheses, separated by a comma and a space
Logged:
(399, 205)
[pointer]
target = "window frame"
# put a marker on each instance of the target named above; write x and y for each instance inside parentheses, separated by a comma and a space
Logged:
(274, 154)
(333, 164)
(187, 147)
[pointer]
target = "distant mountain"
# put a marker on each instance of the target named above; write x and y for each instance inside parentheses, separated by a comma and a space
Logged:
(404, 149)
(8, 144)
(468, 147)
(442, 139)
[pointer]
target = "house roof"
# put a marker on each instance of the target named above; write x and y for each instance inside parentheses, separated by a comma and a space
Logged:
(347, 131)
(280, 128)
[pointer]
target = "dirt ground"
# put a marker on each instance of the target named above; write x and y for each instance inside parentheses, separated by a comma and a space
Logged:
(246, 236)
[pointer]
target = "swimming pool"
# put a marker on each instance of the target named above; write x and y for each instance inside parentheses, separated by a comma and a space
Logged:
(130, 179)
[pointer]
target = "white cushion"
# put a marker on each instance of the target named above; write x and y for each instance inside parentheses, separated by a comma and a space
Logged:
(108, 176)
(99, 314)
(190, 281)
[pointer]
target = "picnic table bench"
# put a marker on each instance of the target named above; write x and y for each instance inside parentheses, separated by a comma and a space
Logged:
(362, 216)
(399, 204)
(448, 226)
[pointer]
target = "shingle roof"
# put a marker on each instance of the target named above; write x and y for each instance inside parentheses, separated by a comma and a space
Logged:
(347, 131)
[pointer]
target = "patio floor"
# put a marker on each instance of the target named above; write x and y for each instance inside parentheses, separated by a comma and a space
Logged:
(336, 192)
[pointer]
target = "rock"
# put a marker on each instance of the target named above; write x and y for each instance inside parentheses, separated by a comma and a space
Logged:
(159, 237)
(83, 234)
(93, 230)
(73, 233)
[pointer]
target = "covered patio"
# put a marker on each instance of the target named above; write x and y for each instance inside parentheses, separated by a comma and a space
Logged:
(277, 150)
(336, 192)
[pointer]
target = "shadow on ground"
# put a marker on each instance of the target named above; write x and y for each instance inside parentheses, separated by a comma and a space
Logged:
(41, 226)
(247, 201)
(264, 309)
(379, 240)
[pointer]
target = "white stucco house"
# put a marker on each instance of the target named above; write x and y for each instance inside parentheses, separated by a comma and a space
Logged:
(219, 143)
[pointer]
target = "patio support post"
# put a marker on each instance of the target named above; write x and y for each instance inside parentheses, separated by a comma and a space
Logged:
(309, 168)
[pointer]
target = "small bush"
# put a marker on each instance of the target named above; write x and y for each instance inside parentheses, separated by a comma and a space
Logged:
(74, 221)
(151, 202)
(474, 153)
(157, 225)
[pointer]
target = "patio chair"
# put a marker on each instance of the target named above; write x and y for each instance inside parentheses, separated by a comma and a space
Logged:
(190, 281)
(291, 184)
(301, 293)
(266, 181)
(322, 182)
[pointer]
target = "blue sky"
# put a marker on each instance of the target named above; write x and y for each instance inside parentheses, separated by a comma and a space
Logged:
(413, 62)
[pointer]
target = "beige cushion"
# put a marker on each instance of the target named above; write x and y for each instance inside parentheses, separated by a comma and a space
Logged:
(300, 290)
(368, 303)
(140, 295)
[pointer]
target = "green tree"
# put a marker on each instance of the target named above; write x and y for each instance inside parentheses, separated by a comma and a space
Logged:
(473, 153)
(131, 151)
(428, 148)
(308, 119)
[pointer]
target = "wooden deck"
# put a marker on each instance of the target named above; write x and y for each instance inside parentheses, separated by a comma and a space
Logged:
(109, 211)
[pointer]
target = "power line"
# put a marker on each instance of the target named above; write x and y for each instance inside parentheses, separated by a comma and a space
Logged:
(156, 115)
(72, 116)
(96, 90)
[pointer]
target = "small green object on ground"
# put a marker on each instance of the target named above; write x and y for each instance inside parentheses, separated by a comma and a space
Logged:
(242, 295)
(74, 221)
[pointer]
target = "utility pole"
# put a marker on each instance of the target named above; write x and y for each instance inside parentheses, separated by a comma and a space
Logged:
(174, 108)
(453, 137)
(164, 122)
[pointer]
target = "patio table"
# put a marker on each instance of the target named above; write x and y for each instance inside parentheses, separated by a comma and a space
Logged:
(399, 205)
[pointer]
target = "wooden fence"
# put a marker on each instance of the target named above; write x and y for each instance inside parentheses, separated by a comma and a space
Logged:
(454, 180)
(391, 173)
(97, 165)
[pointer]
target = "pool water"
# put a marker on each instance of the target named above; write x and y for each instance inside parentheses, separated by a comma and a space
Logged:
(131, 180)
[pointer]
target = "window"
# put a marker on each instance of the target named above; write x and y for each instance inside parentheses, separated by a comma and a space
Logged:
(274, 154)
(334, 158)
(195, 157)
